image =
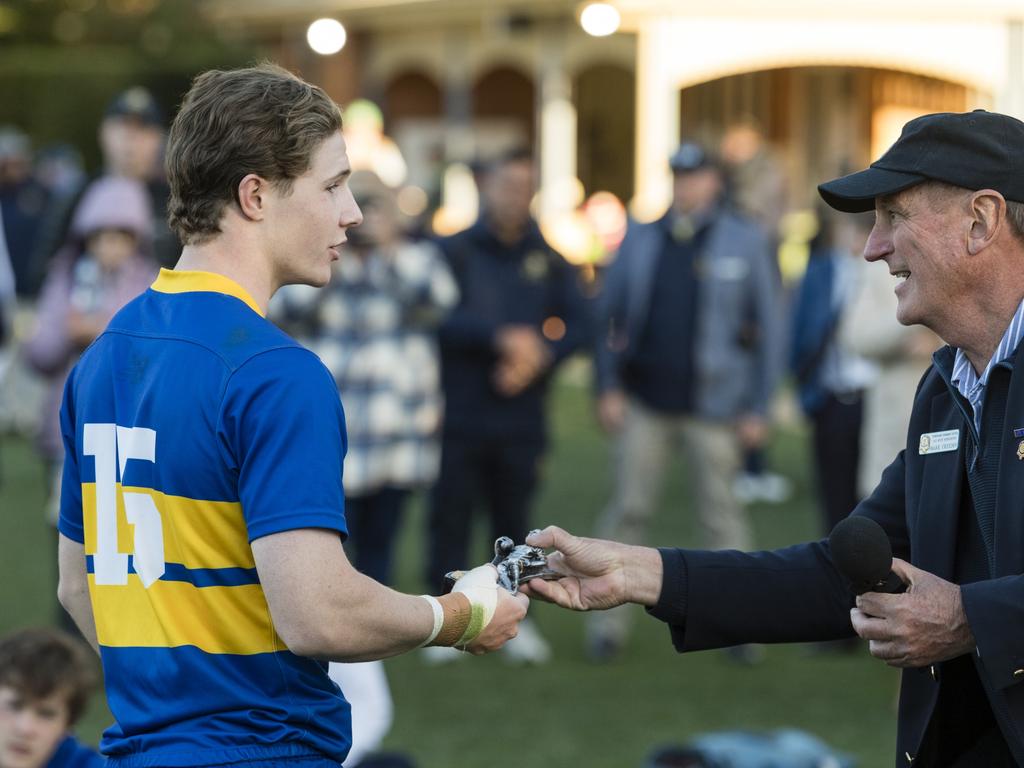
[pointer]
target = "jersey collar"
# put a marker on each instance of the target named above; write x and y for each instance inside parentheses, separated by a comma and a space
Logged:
(185, 281)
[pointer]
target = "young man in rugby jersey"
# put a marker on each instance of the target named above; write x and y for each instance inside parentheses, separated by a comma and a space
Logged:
(202, 506)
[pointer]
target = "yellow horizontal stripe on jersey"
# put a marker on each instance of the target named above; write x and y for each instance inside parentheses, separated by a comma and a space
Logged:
(174, 613)
(197, 533)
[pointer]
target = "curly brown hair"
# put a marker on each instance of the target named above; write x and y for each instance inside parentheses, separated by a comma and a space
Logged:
(40, 662)
(261, 120)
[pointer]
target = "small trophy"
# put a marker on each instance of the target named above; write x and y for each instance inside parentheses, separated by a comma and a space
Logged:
(516, 564)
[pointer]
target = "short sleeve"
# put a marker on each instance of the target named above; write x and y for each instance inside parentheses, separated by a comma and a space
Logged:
(70, 521)
(282, 423)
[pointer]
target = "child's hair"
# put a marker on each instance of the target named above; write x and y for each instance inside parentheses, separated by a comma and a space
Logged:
(40, 662)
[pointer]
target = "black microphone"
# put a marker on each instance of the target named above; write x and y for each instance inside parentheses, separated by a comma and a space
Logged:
(863, 554)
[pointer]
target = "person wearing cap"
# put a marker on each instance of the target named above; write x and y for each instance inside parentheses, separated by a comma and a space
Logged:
(131, 137)
(688, 351)
(949, 226)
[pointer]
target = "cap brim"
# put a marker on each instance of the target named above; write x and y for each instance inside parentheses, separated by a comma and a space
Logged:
(856, 193)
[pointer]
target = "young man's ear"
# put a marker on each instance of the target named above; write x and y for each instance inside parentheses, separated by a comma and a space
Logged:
(252, 191)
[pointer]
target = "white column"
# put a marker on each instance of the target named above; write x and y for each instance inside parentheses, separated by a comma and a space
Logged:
(657, 120)
(457, 99)
(1011, 99)
(557, 128)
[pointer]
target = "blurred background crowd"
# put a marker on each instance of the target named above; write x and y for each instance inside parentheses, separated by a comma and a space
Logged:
(564, 203)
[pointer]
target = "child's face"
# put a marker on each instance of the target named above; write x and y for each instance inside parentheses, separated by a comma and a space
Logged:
(111, 247)
(30, 729)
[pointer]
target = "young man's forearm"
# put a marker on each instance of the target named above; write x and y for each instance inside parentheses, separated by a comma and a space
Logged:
(73, 589)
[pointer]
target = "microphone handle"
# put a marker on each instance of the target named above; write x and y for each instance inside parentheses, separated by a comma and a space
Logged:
(891, 584)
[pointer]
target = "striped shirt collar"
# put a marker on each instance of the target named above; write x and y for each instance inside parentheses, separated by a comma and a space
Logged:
(968, 382)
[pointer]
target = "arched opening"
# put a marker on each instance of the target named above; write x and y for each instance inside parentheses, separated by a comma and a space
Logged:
(606, 129)
(503, 109)
(823, 121)
(411, 95)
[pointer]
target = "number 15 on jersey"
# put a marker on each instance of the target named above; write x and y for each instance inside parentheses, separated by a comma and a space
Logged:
(112, 447)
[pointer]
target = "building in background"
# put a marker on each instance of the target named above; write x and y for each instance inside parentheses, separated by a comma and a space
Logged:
(830, 85)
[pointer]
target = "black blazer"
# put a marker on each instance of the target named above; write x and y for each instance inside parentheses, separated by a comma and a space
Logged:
(717, 599)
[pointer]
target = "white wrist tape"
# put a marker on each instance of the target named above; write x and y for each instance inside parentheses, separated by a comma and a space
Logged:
(480, 585)
(438, 618)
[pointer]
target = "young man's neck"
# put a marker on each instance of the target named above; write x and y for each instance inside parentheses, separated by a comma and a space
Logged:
(234, 261)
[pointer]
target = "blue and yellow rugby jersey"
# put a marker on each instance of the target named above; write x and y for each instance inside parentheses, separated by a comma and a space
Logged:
(192, 426)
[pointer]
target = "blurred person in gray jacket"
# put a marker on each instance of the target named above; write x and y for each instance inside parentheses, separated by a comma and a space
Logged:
(688, 354)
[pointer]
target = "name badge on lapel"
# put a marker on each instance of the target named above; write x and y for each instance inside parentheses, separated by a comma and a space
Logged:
(939, 442)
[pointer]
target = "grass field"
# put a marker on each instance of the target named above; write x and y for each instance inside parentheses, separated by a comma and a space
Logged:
(484, 712)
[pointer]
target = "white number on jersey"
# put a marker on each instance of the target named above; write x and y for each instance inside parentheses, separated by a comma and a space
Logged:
(112, 447)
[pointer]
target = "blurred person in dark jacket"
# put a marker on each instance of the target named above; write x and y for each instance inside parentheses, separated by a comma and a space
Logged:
(520, 314)
(687, 357)
(831, 377)
(23, 200)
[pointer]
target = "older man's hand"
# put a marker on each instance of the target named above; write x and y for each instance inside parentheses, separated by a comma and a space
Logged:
(924, 625)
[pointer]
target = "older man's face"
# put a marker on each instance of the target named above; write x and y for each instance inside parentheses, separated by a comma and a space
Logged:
(914, 233)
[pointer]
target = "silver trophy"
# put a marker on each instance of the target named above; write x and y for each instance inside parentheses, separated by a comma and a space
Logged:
(516, 564)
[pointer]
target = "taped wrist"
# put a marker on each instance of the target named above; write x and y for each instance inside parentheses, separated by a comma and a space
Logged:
(457, 623)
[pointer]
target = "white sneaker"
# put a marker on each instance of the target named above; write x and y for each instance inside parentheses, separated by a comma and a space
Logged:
(527, 647)
(774, 488)
(744, 487)
(436, 655)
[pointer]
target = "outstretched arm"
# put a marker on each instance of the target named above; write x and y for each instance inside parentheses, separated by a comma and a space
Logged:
(322, 607)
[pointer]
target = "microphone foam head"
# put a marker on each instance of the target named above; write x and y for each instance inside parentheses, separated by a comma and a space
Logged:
(861, 551)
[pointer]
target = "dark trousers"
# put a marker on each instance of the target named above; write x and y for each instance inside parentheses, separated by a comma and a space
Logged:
(501, 475)
(373, 522)
(837, 427)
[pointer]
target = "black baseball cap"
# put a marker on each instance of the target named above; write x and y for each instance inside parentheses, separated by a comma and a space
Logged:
(138, 103)
(973, 150)
(691, 156)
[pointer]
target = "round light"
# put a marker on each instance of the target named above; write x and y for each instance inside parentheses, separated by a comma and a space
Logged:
(412, 201)
(600, 19)
(326, 36)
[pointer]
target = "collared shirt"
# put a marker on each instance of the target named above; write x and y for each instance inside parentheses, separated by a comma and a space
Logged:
(967, 381)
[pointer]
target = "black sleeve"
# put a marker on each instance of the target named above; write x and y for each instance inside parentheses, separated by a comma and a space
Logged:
(717, 599)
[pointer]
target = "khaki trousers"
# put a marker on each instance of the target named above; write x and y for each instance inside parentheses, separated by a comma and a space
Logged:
(711, 454)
